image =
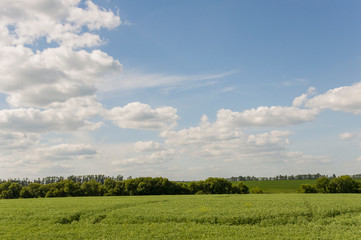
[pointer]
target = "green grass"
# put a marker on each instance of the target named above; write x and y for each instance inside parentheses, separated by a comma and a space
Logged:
(264, 216)
(278, 186)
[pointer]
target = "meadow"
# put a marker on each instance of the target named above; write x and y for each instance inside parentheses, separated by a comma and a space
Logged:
(236, 216)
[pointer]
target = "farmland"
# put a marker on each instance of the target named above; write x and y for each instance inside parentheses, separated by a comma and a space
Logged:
(244, 216)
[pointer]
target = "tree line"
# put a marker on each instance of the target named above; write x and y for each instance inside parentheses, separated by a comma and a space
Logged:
(342, 184)
(113, 187)
(99, 178)
(286, 177)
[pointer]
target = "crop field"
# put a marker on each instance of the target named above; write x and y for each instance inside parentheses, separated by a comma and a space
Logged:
(251, 216)
(279, 186)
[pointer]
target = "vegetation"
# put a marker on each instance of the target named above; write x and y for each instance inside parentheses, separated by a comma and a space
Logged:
(279, 186)
(248, 216)
(342, 184)
(112, 187)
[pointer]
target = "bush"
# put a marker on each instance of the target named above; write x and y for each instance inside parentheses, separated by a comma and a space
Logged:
(307, 188)
(256, 190)
(240, 188)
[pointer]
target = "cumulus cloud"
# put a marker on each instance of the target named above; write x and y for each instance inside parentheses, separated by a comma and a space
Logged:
(137, 115)
(154, 158)
(346, 99)
(301, 100)
(273, 137)
(148, 146)
(53, 75)
(218, 141)
(17, 140)
(65, 152)
(59, 21)
(266, 116)
(35, 120)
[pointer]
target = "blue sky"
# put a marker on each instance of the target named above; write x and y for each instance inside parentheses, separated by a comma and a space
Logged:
(180, 89)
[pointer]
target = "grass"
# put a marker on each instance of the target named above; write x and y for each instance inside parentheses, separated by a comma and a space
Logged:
(278, 186)
(264, 216)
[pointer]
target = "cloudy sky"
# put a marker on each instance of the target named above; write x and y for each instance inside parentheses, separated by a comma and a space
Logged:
(179, 89)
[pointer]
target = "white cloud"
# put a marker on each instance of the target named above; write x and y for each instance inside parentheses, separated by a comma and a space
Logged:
(137, 115)
(34, 120)
(64, 152)
(266, 116)
(93, 17)
(215, 140)
(346, 99)
(273, 137)
(347, 135)
(301, 100)
(147, 146)
(61, 21)
(53, 75)
(17, 140)
(157, 157)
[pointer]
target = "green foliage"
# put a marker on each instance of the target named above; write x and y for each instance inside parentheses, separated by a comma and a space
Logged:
(342, 184)
(112, 187)
(307, 188)
(217, 186)
(278, 186)
(26, 192)
(239, 188)
(256, 190)
(10, 190)
(345, 184)
(323, 185)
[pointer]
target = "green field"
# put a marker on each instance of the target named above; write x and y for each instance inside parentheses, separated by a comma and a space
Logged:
(278, 186)
(251, 216)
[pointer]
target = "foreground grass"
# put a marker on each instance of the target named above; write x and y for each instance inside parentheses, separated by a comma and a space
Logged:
(271, 216)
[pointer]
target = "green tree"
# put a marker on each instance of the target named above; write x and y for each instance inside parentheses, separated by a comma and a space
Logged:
(240, 188)
(323, 185)
(92, 188)
(26, 192)
(345, 184)
(217, 186)
(13, 191)
(307, 188)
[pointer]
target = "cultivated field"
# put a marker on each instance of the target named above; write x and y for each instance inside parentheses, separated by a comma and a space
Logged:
(251, 216)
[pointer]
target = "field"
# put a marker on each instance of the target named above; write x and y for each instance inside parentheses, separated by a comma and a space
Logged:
(252, 216)
(279, 186)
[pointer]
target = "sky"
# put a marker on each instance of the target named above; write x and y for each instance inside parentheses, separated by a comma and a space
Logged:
(179, 89)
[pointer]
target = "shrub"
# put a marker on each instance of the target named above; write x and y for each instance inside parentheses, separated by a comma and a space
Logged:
(256, 190)
(307, 188)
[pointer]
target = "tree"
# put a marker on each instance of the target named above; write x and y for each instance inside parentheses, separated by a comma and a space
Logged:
(217, 186)
(26, 192)
(345, 184)
(307, 188)
(323, 185)
(92, 188)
